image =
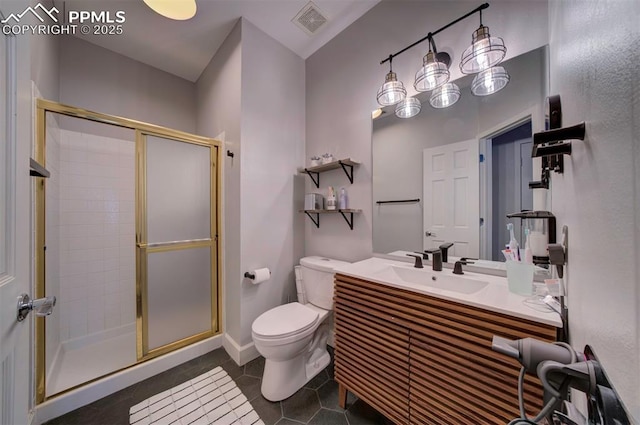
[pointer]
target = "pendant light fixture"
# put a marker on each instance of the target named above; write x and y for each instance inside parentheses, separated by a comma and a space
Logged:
(482, 57)
(490, 81)
(433, 73)
(485, 51)
(179, 10)
(410, 107)
(445, 96)
(392, 91)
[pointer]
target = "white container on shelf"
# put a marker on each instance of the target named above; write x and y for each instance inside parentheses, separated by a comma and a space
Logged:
(313, 201)
(343, 200)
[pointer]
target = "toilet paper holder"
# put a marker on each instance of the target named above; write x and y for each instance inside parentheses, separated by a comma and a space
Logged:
(258, 275)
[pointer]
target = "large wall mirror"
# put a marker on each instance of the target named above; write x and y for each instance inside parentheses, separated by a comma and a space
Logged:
(452, 174)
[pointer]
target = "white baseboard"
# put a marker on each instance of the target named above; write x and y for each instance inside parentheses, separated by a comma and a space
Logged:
(240, 354)
(93, 391)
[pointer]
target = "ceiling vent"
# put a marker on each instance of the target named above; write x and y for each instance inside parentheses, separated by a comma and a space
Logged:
(310, 19)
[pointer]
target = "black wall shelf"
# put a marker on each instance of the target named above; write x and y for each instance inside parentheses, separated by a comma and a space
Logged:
(347, 214)
(314, 172)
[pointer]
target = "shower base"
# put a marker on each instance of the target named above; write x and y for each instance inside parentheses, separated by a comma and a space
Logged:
(86, 359)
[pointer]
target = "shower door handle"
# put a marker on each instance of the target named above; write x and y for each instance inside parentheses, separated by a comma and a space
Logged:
(42, 306)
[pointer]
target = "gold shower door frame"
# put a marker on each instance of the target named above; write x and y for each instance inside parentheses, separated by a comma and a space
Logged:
(142, 130)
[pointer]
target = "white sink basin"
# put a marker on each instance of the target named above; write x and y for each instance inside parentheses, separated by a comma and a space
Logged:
(440, 280)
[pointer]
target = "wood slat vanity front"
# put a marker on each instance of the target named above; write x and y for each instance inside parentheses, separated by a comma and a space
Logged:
(419, 359)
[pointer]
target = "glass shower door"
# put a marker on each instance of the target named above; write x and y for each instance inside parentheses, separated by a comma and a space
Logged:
(88, 216)
(176, 243)
(128, 225)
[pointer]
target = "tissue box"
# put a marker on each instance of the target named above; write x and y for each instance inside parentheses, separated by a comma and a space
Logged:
(313, 201)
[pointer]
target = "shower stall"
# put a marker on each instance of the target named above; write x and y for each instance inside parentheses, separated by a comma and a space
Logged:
(127, 237)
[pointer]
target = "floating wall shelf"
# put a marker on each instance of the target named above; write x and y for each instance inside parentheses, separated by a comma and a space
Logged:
(314, 172)
(344, 213)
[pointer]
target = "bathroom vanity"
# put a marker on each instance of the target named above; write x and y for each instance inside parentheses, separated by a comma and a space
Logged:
(418, 349)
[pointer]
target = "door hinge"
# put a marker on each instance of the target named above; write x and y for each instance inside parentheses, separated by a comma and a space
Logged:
(481, 157)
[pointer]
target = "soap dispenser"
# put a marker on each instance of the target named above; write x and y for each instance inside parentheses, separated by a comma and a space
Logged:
(342, 199)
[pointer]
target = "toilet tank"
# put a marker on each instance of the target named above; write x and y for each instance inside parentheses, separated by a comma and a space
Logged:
(317, 280)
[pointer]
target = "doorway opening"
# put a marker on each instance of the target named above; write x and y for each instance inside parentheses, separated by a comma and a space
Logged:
(505, 175)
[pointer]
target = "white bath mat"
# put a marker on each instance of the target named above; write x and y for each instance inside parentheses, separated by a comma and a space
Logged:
(211, 398)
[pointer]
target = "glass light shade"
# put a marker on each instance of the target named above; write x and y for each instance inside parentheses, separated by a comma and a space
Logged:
(490, 81)
(392, 91)
(485, 51)
(180, 10)
(445, 96)
(433, 74)
(410, 107)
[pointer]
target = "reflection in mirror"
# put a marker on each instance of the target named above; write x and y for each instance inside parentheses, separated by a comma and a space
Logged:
(452, 175)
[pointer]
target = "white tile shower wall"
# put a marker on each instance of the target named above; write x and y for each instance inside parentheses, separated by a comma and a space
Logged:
(97, 234)
(52, 259)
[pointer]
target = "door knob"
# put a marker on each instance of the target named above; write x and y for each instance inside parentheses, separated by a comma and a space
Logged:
(42, 306)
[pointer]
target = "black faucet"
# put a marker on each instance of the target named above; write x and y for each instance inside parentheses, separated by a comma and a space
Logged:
(436, 259)
(418, 263)
(457, 267)
(445, 251)
(425, 254)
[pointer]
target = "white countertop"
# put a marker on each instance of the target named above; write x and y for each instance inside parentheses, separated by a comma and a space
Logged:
(495, 296)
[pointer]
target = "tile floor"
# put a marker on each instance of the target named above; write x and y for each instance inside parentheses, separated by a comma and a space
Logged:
(315, 404)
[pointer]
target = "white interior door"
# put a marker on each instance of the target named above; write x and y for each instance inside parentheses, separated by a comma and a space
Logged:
(452, 197)
(15, 144)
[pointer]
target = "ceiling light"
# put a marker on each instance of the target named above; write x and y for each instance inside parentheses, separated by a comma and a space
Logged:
(445, 96)
(490, 81)
(180, 10)
(481, 57)
(392, 91)
(485, 51)
(376, 113)
(433, 73)
(410, 107)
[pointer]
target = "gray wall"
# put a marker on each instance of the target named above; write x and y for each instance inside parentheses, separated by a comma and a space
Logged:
(45, 52)
(218, 105)
(273, 117)
(253, 91)
(598, 196)
(398, 144)
(344, 75)
(98, 79)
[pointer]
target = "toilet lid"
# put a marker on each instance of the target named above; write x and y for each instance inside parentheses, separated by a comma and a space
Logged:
(285, 320)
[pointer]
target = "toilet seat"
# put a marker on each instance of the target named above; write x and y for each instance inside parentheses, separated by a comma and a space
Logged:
(285, 321)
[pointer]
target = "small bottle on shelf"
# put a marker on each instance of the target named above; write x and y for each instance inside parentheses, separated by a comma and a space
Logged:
(331, 199)
(343, 200)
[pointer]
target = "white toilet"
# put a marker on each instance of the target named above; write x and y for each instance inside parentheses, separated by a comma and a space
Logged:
(293, 337)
